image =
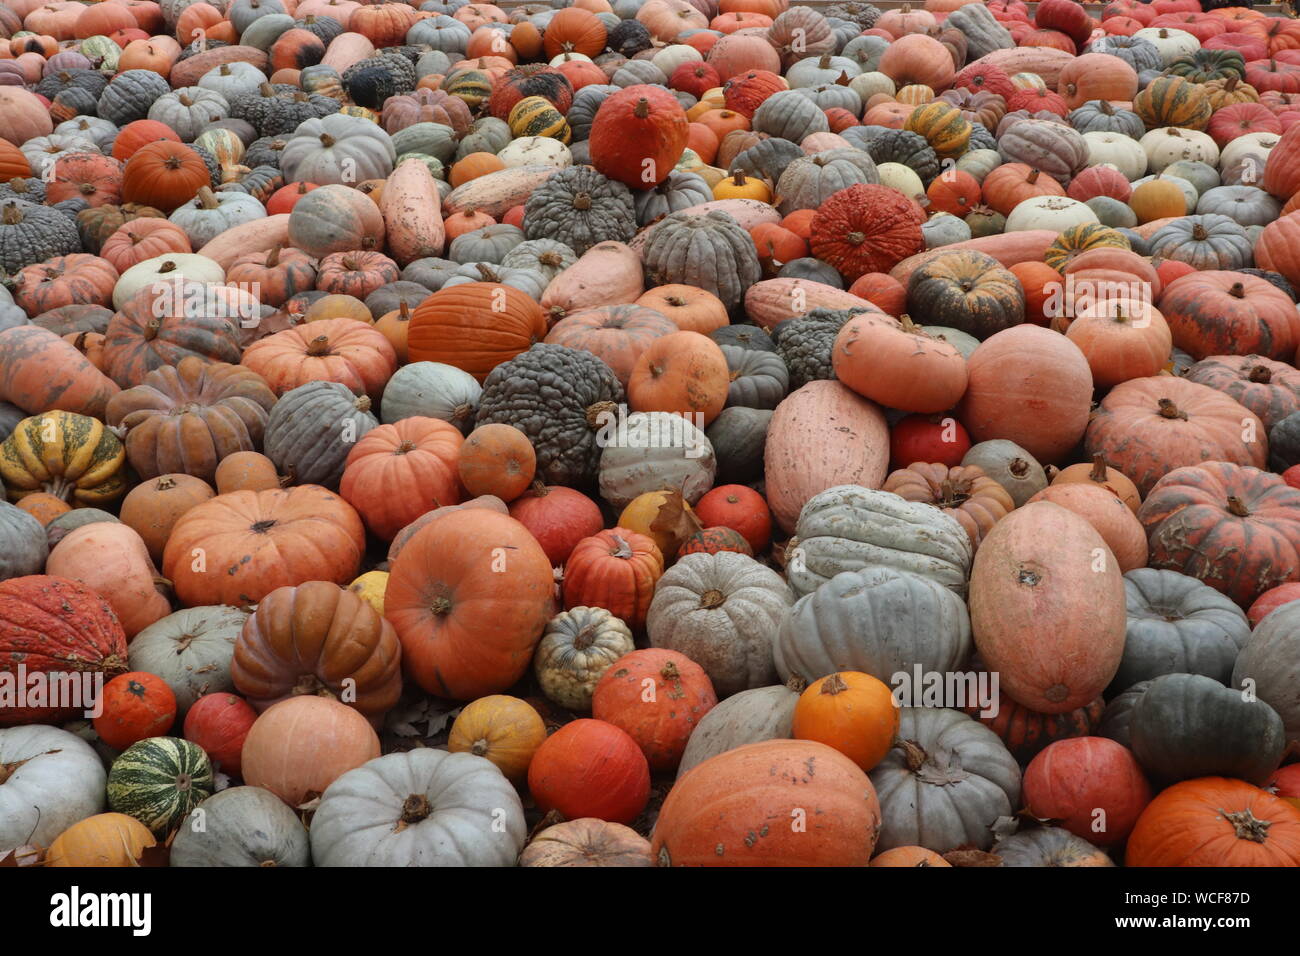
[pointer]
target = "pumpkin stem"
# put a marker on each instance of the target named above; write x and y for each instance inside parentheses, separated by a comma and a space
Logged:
(320, 345)
(582, 202)
(670, 671)
(1261, 374)
(164, 483)
(440, 606)
(1018, 467)
(1169, 410)
(597, 412)
(273, 257)
(585, 637)
(1199, 233)
(326, 140)
(479, 748)
(1236, 507)
(405, 448)
(1247, 826)
(207, 198)
(1099, 471)
(834, 684)
(414, 809)
(1032, 177)
(712, 598)
(266, 89)
(1237, 291)
(797, 684)
(403, 312)
(913, 754)
(642, 108)
(362, 404)
(621, 548)
(12, 215)
(1106, 109)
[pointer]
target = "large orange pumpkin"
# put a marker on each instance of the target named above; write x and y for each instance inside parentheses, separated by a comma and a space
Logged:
(1047, 608)
(475, 326)
(684, 372)
(771, 803)
(1214, 821)
(658, 697)
(239, 547)
(469, 595)
(395, 473)
(638, 135)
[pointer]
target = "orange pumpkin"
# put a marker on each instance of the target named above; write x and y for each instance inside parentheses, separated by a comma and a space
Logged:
(1103, 476)
(497, 460)
(590, 768)
(658, 697)
(105, 839)
(909, 856)
(475, 326)
(469, 595)
(853, 712)
(1214, 821)
(152, 508)
(246, 471)
(163, 175)
(331, 350)
(717, 814)
(395, 473)
(689, 308)
(899, 366)
(134, 706)
(616, 569)
(685, 373)
(505, 730)
(573, 30)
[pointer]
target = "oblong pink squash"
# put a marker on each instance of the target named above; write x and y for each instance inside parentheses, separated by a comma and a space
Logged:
(497, 193)
(1009, 249)
(775, 300)
(821, 436)
(412, 212)
(609, 273)
(260, 235)
(112, 559)
(1030, 385)
(1047, 608)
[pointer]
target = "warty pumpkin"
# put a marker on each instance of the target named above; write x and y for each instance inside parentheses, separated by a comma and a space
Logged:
(866, 228)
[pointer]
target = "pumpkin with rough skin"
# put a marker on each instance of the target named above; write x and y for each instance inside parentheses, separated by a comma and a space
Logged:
(317, 639)
(707, 819)
(300, 746)
(467, 630)
(395, 473)
(580, 207)
(1233, 527)
(578, 647)
(944, 760)
(1146, 427)
(1269, 389)
(1215, 821)
(1014, 604)
(711, 251)
(557, 397)
(659, 720)
(866, 228)
(255, 541)
(73, 457)
(722, 611)
(977, 501)
(590, 768)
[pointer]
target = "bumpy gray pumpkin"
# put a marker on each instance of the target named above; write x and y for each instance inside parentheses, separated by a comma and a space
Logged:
(311, 430)
(983, 32)
(848, 528)
(805, 342)
(763, 713)
(787, 115)
(879, 621)
(712, 252)
(23, 547)
(242, 826)
(30, 233)
(546, 257)
(808, 182)
(130, 95)
(555, 395)
(945, 783)
(1271, 660)
(1051, 147)
(580, 207)
(653, 451)
(1049, 846)
(1178, 625)
(722, 611)
(767, 159)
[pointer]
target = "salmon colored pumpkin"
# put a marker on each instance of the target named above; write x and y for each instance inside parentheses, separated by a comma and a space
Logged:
(110, 558)
(153, 507)
(684, 372)
(497, 460)
(395, 473)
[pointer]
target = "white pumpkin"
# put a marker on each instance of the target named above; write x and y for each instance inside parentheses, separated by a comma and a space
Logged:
(209, 214)
(232, 79)
(1251, 143)
(764, 713)
(242, 826)
(674, 55)
(1057, 213)
(867, 85)
(189, 111)
(900, 177)
(568, 57)
(337, 150)
(1118, 150)
(723, 611)
(819, 70)
(653, 451)
(49, 780)
(535, 151)
(424, 807)
(1170, 42)
(191, 650)
(431, 390)
(1168, 144)
(166, 269)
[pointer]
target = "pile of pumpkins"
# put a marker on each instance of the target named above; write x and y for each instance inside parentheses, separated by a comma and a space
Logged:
(760, 434)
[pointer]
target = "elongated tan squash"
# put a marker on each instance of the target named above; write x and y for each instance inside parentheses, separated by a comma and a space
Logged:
(412, 212)
(260, 235)
(347, 49)
(40, 372)
(1009, 249)
(498, 192)
(608, 273)
(821, 436)
(1047, 608)
(775, 300)
(1044, 61)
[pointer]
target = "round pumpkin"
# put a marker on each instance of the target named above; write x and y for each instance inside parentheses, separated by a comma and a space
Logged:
(590, 768)
(850, 711)
(505, 730)
(658, 697)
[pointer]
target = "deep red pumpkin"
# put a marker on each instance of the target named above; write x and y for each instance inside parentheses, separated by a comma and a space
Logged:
(935, 437)
(1234, 527)
(866, 229)
(49, 623)
(1271, 600)
(741, 508)
(219, 723)
(590, 768)
(658, 697)
(1093, 786)
(135, 705)
(638, 135)
(558, 517)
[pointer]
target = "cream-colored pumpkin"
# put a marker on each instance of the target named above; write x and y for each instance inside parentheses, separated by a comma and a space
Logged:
(1118, 150)
(1168, 144)
(1057, 213)
(536, 151)
(1170, 42)
(1261, 143)
(900, 177)
(867, 85)
(166, 269)
(671, 57)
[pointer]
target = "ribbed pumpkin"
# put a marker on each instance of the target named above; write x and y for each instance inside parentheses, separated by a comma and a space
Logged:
(105, 839)
(1048, 608)
(1173, 101)
(866, 228)
(943, 126)
(475, 326)
(1214, 821)
(965, 492)
(718, 814)
(164, 175)
(395, 473)
(615, 569)
(73, 457)
(505, 730)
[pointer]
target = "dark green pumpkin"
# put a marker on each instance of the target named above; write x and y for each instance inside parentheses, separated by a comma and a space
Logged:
(805, 343)
(739, 437)
(744, 336)
(1117, 719)
(968, 291)
(759, 379)
(1189, 725)
(1201, 66)
(908, 149)
(1284, 443)
(158, 781)
(372, 81)
(812, 269)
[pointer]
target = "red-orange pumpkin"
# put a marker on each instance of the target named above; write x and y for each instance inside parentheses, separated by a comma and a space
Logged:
(134, 706)
(1214, 821)
(395, 473)
(638, 135)
(1091, 786)
(658, 697)
(590, 768)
